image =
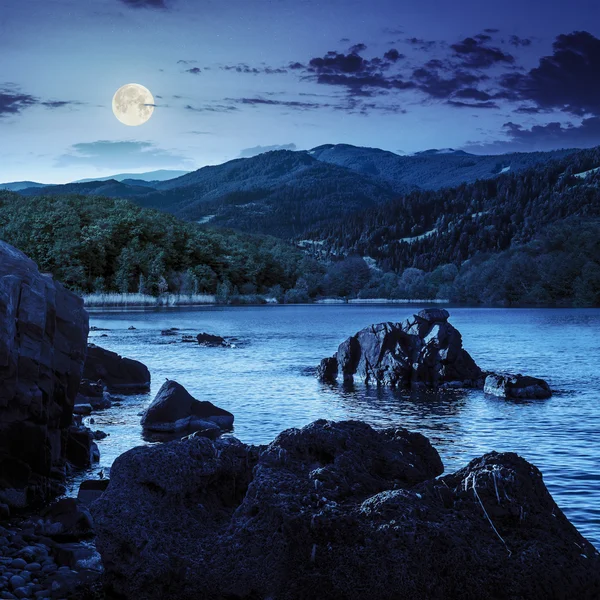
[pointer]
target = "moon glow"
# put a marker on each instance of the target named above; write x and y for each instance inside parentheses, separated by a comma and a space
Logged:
(133, 104)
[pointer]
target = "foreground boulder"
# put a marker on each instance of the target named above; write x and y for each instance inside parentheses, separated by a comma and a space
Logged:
(43, 333)
(117, 373)
(334, 510)
(519, 386)
(425, 352)
(174, 410)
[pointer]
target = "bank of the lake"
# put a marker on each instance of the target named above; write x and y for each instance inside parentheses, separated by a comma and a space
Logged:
(268, 382)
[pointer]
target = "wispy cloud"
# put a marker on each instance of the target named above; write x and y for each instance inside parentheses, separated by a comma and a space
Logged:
(120, 155)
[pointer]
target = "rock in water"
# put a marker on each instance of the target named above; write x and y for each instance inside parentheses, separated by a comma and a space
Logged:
(425, 352)
(507, 385)
(174, 409)
(208, 339)
(334, 510)
(118, 374)
(43, 335)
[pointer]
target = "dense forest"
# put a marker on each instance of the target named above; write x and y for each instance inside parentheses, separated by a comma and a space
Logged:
(521, 238)
(95, 244)
(445, 243)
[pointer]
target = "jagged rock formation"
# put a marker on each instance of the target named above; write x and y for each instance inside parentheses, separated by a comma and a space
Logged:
(421, 353)
(174, 409)
(43, 335)
(334, 510)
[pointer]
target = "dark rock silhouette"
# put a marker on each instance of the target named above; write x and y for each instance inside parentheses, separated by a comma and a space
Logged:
(334, 510)
(117, 373)
(174, 409)
(82, 450)
(425, 352)
(508, 385)
(207, 339)
(43, 334)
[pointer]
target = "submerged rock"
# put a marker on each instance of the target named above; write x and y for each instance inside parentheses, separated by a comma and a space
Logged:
(425, 352)
(519, 386)
(334, 510)
(174, 409)
(117, 373)
(43, 333)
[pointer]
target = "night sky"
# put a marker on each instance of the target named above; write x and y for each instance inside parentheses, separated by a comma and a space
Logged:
(232, 78)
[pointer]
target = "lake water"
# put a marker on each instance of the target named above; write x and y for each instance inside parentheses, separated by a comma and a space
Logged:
(268, 382)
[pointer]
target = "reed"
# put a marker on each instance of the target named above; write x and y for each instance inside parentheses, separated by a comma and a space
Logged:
(126, 300)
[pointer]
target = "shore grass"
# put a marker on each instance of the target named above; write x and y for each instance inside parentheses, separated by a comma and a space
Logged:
(125, 300)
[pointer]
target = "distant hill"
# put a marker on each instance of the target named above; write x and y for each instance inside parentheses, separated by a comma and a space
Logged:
(431, 169)
(160, 175)
(110, 188)
(287, 193)
(17, 186)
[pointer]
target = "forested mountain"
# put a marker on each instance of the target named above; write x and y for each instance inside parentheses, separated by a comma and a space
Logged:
(103, 244)
(542, 227)
(431, 169)
(520, 237)
(286, 193)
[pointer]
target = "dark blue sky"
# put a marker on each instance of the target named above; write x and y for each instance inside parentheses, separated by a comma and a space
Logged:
(232, 76)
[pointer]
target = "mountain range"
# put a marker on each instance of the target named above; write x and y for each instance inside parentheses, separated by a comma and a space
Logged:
(288, 193)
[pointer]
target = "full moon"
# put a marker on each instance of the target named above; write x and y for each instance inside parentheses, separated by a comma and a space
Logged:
(133, 104)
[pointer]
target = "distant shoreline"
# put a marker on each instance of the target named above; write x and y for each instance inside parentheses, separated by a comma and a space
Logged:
(116, 300)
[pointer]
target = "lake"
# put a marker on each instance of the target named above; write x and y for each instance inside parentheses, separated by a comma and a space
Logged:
(268, 382)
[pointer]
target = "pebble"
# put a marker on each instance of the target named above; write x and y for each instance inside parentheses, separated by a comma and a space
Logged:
(17, 581)
(33, 567)
(18, 563)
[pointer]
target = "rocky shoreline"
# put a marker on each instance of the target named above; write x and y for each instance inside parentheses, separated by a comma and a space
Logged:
(332, 510)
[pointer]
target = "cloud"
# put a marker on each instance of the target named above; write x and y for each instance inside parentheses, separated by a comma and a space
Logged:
(256, 150)
(476, 54)
(295, 104)
(120, 155)
(247, 69)
(433, 84)
(194, 71)
(13, 102)
(221, 108)
(567, 80)
(551, 136)
(421, 44)
(516, 41)
(160, 4)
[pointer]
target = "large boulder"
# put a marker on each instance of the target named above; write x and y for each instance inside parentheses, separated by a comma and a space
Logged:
(519, 386)
(117, 373)
(424, 352)
(334, 510)
(43, 335)
(174, 409)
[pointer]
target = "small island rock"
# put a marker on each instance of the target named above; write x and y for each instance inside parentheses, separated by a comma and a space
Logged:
(425, 352)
